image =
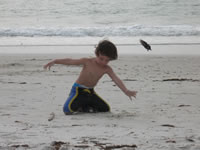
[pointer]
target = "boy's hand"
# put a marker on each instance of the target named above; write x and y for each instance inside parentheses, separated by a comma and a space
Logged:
(49, 65)
(131, 93)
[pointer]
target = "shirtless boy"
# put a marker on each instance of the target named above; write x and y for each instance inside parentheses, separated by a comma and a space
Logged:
(82, 96)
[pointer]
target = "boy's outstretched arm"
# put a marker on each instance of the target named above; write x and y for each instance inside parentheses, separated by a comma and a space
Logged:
(66, 61)
(120, 84)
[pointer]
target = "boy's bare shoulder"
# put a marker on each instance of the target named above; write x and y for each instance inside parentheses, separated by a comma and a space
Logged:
(85, 59)
(109, 69)
(90, 60)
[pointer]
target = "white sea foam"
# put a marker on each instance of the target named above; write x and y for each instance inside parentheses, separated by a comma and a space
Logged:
(134, 30)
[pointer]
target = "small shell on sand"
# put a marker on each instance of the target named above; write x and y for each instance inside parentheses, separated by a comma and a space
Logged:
(51, 116)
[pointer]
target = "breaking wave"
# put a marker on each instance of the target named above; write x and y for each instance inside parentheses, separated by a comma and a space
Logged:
(135, 30)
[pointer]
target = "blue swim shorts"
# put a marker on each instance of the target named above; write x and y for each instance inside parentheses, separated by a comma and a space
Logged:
(84, 99)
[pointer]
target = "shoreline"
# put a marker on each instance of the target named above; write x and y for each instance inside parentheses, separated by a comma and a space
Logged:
(132, 50)
(172, 45)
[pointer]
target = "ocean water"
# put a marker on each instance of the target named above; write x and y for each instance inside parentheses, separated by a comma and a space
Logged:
(35, 22)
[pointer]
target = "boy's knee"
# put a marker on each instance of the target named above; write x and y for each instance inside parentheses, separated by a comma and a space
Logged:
(66, 111)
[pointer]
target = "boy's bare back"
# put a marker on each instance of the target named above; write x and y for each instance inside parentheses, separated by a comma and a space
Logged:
(91, 72)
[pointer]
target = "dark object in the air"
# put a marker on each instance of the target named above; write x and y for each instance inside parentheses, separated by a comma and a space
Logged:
(146, 45)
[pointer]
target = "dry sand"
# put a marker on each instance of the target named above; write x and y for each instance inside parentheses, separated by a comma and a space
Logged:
(164, 116)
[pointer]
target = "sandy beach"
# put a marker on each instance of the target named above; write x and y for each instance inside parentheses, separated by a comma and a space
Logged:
(164, 116)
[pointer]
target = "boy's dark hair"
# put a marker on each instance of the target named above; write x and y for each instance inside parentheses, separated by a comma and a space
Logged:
(106, 48)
